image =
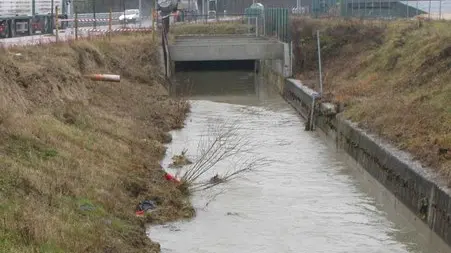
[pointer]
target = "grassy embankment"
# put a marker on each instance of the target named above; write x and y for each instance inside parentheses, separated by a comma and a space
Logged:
(76, 156)
(393, 78)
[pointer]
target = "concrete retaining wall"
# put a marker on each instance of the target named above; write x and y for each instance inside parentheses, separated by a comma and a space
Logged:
(421, 190)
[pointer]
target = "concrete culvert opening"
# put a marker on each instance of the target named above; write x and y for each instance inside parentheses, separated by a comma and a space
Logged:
(214, 65)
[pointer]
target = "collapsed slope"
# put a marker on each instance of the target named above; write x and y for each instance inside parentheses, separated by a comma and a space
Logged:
(394, 78)
(76, 156)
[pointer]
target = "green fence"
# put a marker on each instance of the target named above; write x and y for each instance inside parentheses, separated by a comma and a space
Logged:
(276, 23)
(270, 22)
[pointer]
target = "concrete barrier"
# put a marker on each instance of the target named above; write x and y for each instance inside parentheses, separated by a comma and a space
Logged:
(216, 48)
(422, 190)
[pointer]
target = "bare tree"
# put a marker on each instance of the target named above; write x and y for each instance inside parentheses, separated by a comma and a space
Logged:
(222, 145)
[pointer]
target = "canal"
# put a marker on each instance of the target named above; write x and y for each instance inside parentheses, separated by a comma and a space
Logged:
(308, 198)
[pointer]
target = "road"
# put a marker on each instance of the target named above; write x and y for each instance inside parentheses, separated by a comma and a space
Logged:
(65, 35)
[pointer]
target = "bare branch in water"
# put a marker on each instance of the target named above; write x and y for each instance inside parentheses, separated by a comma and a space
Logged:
(213, 198)
(222, 144)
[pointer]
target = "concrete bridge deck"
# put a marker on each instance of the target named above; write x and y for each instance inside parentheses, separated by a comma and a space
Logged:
(225, 47)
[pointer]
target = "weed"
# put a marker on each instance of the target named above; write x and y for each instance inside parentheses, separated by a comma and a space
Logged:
(394, 79)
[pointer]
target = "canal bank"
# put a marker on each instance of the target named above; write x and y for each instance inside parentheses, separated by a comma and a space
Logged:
(309, 196)
(421, 189)
(77, 155)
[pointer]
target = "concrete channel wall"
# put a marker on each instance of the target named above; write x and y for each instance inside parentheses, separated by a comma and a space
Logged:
(421, 190)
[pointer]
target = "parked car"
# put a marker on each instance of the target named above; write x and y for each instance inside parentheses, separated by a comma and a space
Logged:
(129, 16)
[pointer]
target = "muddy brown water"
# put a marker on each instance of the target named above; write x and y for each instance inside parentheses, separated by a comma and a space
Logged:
(309, 198)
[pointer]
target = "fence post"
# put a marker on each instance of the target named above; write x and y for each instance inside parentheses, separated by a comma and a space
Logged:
(440, 11)
(56, 23)
(76, 25)
(281, 24)
(154, 14)
(407, 9)
(256, 26)
(94, 12)
(273, 22)
(276, 23)
(110, 23)
(285, 24)
(291, 58)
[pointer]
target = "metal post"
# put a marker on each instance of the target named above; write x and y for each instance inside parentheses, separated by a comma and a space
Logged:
(203, 7)
(123, 5)
(389, 8)
(429, 13)
(52, 21)
(440, 11)
(407, 7)
(372, 8)
(110, 21)
(139, 16)
(256, 26)
(380, 8)
(69, 9)
(57, 24)
(319, 64)
(154, 27)
(76, 25)
(358, 9)
(94, 12)
(416, 9)
(154, 20)
(291, 58)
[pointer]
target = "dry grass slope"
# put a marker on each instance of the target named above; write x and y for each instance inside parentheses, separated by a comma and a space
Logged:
(394, 79)
(76, 156)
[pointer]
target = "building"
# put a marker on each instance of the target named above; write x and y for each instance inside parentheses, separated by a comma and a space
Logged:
(377, 9)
